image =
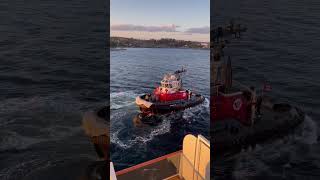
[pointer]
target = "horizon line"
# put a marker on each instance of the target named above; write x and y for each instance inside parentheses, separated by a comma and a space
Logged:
(159, 39)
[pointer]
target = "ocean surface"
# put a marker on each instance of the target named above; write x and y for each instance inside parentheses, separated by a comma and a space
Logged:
(52, 69)
(137, 71)
(281, 46)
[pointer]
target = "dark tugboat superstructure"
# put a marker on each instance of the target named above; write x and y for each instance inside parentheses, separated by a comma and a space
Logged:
(243, 116)
(169, 96)
(96, 126)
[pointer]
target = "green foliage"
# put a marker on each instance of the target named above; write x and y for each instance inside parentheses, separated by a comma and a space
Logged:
(120, 42)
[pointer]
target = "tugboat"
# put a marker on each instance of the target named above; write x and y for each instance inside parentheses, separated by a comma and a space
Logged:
(240, 116)
(169, 96)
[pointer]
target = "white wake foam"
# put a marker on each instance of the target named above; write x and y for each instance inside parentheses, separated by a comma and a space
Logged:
(161, 129)
(122, 99)
(308, 131)
(13, 140)
(249, 163)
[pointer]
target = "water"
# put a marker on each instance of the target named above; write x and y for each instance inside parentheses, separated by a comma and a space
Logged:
(52, 70)
(280, 47)
(137, 71)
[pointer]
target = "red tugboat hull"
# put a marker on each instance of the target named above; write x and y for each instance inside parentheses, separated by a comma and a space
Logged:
(234, 106)
(163, 107)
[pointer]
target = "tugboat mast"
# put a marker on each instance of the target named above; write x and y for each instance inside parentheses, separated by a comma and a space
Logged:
(221, 67)
(226, 100)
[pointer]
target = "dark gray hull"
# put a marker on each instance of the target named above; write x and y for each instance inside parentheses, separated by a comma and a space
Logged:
(96, 126)
(275, 121)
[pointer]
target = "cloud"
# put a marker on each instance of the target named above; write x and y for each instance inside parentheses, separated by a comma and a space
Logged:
(131, 27)
(199, 30)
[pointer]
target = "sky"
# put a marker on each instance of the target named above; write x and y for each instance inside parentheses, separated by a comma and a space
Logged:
(155, 19)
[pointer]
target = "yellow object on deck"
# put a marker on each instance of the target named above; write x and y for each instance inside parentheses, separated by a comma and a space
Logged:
(195, 161)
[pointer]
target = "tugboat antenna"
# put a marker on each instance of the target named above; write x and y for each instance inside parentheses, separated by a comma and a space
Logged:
(183, 70)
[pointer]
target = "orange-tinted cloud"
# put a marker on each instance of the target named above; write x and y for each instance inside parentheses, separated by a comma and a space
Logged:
(200, 30)
(201, 34)
(131, 27)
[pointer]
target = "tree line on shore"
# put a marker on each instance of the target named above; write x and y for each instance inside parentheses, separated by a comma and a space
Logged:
(121, 42)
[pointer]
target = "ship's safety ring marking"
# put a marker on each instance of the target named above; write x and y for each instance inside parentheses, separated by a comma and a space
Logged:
(237, 104)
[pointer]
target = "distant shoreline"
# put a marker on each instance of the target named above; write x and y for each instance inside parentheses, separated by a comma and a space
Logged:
(121, 42)
(124, 48)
